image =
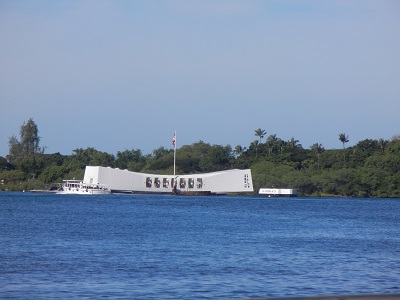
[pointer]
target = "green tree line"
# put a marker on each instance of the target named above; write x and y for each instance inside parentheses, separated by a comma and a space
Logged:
(370, 168)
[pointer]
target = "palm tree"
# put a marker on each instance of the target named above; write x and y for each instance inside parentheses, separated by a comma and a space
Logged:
(293, 144)
(344, 139)
(272, 142)
(281, 144)
(317, 149)
(260, 133)
(269, 147)
(239, 150)
(255, 145)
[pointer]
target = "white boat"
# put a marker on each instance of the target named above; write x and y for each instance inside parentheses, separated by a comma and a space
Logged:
(82, 188)
(271, 192)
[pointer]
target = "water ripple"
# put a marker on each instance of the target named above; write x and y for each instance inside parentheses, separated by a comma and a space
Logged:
(152, 247)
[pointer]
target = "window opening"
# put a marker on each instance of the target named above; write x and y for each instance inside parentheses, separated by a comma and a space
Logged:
(199, 183)
(149, 182)
(157, 182)
(182, 183)
(191, 183)
(165, 183)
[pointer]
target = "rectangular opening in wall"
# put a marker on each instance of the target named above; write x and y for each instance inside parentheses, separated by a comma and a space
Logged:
(199, 183)
(182, 183)
(157, 182)
(191, 183)
(165, 183)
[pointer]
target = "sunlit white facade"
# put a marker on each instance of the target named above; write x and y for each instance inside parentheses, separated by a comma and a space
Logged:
(222, 182)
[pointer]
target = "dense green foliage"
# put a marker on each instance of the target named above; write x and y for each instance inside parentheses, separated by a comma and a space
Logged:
(371, 168)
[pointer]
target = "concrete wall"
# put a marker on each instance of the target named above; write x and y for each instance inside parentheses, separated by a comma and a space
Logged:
(215, 182)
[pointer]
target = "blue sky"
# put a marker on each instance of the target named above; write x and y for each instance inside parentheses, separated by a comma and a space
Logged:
(118, 75)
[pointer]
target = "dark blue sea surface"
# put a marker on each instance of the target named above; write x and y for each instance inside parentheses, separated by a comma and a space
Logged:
(178, 247)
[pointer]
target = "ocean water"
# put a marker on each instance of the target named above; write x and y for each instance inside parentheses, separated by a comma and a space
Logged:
(182, 247)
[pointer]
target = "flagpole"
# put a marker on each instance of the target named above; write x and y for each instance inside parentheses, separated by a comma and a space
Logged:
(174, 143)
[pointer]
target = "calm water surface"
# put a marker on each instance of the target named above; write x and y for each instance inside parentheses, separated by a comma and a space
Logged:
(168, 247)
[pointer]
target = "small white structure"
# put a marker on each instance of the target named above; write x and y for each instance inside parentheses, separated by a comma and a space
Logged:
(82, 188)
(271, 192)
(124, 181)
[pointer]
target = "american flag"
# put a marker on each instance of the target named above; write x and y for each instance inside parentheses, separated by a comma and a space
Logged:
(174, 139)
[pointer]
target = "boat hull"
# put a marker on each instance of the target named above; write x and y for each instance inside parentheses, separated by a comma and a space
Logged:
(83, 192)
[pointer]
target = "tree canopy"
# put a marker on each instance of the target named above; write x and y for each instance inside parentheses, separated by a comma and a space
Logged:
(371, 167)
(28, 145)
